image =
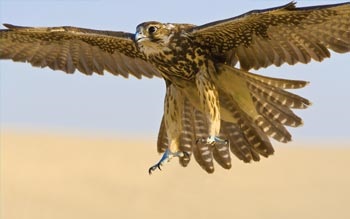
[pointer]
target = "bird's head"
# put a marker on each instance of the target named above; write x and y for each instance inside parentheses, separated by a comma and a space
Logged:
(154, 32)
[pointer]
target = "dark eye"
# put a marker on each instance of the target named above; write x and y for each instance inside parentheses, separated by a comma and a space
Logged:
(152, 29)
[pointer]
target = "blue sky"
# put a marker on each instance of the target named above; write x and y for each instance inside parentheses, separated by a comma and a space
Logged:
(33, 98)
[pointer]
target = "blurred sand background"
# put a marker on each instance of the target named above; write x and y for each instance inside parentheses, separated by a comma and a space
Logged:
(49, 176)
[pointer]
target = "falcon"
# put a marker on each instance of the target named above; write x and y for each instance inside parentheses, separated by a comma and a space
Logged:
(213, 104)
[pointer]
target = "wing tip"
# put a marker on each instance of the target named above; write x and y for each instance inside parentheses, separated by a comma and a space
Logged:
(10, 26)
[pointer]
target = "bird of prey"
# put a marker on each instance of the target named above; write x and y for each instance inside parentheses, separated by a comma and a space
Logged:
(213, 104)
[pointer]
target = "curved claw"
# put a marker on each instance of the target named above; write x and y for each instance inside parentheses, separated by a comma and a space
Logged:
(166, 157)
(153, 168)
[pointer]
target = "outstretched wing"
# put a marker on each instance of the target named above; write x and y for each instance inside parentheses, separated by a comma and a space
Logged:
(278, 35)
(70, 48)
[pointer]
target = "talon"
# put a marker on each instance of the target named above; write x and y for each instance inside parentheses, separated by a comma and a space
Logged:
(151, 169)
(166, 157)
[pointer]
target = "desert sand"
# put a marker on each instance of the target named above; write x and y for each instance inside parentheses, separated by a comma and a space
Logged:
(49, 176)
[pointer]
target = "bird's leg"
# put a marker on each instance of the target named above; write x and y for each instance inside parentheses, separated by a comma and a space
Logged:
(212, 140)
(167, 156)
(209, 99)
(173, 109)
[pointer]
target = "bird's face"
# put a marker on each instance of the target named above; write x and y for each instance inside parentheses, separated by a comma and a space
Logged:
(153, 37)
(154, 32)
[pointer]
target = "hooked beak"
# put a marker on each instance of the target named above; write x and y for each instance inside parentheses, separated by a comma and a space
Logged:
(139, 37)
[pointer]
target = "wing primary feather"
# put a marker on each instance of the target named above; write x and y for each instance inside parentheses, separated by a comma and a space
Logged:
(39, 58)
(21, 53)
(280, 35)
(52, 57)
(68, 48)
(97, 61)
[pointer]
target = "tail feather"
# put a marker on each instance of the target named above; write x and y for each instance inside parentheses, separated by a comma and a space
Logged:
(278, 113)
(275, 82)
(259, 141)
(202, 152)
(255, 156)
(204, 156)
(221, 154)
(273, 129)
(238, 144)
(187, 137)
(162, 142)
(253, 134)
(278, 95)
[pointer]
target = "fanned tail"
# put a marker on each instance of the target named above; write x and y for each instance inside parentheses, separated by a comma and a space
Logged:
(259, 106)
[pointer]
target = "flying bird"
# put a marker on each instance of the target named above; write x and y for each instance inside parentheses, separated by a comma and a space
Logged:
(213, 104)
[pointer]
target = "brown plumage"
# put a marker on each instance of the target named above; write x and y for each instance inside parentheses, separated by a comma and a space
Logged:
(211, 106)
